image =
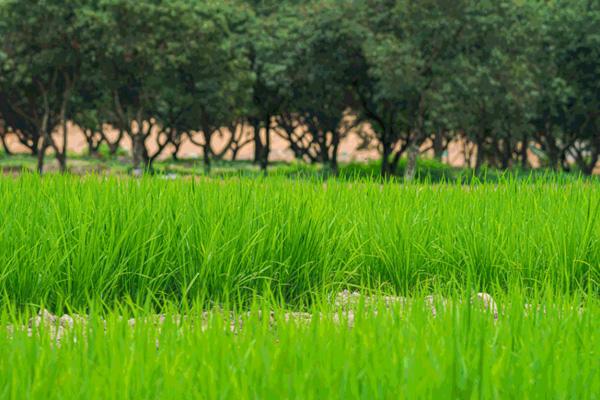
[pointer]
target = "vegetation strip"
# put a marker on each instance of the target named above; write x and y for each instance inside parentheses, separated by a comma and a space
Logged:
(551, 354)
(512, 83)
(71, 242)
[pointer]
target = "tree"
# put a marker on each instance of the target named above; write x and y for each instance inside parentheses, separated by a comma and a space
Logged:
(568, 111)
(270, 40)
(130, 50)
(40, 63)
(91, 111)
(409, 52)
(493, 88)
(17, 124)
(168, 67)
(209, 85)
(314, 118)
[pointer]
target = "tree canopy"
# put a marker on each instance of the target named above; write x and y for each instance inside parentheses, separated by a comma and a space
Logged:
(509, 77)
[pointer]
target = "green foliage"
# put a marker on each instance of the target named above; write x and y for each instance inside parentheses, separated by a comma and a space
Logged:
(568, 69)
(40, 62)
(462, 353)
(503, 75)
(69, 241)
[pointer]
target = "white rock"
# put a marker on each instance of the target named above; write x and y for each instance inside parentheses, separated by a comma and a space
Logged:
(487, 303)
(66, 321)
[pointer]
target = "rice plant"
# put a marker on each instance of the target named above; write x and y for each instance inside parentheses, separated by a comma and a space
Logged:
(67, 241)
(230, 288)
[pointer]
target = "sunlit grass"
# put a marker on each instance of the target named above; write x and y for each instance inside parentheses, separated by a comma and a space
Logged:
(66, 241)
(113, 248)
(461, 353)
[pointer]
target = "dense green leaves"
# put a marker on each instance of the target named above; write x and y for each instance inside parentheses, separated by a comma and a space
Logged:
(40, 65)
(511, 77)
(568, 109)
(112, 239)
(397, 354)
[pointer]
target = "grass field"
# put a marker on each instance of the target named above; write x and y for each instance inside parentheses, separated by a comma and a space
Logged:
(112, 247)
(458, 354)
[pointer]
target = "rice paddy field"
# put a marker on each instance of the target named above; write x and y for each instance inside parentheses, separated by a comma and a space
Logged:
(113, 287)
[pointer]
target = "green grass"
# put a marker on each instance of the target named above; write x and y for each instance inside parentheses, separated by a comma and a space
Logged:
(117, 246)
(67, 241)
(428, 170)
(461, 353)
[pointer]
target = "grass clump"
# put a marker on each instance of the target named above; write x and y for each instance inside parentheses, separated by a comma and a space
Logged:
(67, 241)
(461, 353)
(199, 288)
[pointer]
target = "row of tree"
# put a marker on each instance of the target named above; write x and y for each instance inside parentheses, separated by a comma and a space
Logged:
(506, 75)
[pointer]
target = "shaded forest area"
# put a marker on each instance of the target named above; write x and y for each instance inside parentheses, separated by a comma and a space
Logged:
(508, 77)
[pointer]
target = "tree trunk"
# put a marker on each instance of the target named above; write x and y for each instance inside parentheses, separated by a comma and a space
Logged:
(177, 146)
(506, 154)
(553, 155)
(266, 149)
(206, 158)
(139, 151)
(257, 140)
(524, 156)
(113, 147)
(438, 145)
(62, 162)
(234, 153)
(40, 156)
(414, 147)
(45, 142)
(385, 159)
(564, 162)
(333, 160)
(411, 164)
(29, 139)
(587, 166)
(323, 149)
(61, 156)
(91, 147)
(480, 153)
